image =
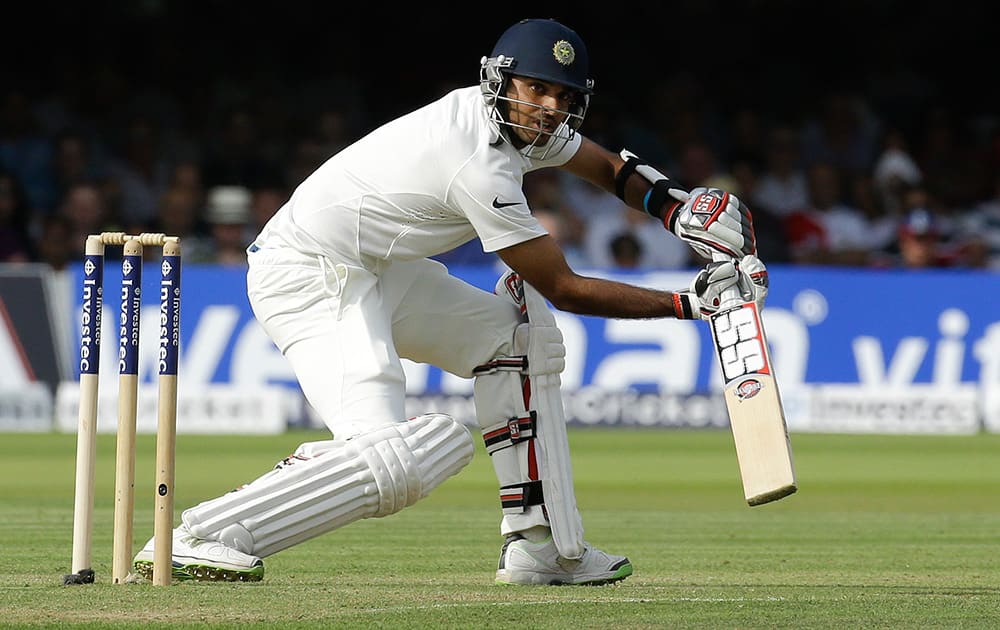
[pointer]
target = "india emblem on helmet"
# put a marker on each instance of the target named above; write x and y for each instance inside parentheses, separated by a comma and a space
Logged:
(563, 51)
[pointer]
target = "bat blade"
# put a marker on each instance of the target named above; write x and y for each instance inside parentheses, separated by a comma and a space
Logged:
(756, 414)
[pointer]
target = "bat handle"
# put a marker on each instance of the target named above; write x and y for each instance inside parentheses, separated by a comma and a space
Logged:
(732, 296)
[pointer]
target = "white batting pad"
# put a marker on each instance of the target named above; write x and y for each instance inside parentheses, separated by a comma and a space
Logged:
(329, 484)
(519, 408)
(544, 367)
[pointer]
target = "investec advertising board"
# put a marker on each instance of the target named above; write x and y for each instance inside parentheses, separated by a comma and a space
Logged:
(853, 350)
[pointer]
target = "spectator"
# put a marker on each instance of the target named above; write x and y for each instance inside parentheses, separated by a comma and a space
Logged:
(55, 242)
(697, 165)
(919, 241)
(15, 241)
(659, 249)
(228, 216)
(895, 169)
(266, 200)
(186, 175)
(140, 172)
(605, 216)
(626, 251)
(559, 225)
(922, 197)
(572, 201)
(73, 161)
(980, 227)
(180, 214)
(882, 225)
(782, 187)
(86, 209)
(827, 231)
(925, 216)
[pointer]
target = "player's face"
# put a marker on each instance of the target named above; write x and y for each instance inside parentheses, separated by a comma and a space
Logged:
(537, 107)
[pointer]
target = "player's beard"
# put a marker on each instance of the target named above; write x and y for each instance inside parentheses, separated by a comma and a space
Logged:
(532, 125)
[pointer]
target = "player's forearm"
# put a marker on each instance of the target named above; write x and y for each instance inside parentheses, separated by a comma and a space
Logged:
(541, 264)
(607, 298)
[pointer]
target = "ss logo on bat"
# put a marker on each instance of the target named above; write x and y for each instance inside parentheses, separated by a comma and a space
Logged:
(741, 349)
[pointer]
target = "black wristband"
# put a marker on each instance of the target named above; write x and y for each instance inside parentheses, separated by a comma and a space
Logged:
(624, 173)
(656, 198)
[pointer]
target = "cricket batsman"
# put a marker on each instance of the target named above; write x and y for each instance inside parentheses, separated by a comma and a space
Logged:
(342, 281)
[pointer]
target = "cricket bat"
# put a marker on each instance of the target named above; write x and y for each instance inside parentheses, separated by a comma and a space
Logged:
(753, 401)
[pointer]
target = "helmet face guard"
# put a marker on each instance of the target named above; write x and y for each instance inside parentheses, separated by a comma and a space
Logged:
(543, 50)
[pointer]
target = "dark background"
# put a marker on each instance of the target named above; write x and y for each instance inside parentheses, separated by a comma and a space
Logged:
(778, 55)
(259, 94)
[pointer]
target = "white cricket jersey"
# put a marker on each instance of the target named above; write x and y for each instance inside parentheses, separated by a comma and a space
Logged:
(415, 187)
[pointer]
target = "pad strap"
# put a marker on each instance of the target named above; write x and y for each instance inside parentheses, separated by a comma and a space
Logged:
(518, 497)
(507, 434)
(502, 364)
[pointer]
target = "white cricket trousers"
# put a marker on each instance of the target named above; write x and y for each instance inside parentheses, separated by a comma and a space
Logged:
(344, 328)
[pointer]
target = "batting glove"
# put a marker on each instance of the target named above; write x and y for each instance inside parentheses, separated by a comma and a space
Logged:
(706, 296)
(713, 220)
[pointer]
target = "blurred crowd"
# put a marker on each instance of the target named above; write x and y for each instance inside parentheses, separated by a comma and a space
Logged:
(863, 178)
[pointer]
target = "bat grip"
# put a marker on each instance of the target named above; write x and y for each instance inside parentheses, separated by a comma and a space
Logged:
(731, 296)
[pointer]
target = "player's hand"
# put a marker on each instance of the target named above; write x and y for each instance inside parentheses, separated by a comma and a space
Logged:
(748, 277)
(713, 220)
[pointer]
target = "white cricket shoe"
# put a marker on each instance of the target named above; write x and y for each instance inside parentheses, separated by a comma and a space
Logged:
(202, 560)
(525, 562)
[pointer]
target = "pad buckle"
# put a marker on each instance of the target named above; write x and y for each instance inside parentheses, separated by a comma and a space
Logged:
(514, 431)
(517, 498)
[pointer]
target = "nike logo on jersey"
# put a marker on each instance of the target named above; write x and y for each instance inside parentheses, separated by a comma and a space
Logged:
(499, 204)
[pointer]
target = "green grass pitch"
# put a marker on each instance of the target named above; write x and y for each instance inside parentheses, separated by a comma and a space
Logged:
(885, 532)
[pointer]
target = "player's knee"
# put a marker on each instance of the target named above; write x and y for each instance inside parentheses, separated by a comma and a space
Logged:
(407, 460)
(543, 346)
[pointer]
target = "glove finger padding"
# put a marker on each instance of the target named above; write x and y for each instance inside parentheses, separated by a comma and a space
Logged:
(710, 283)
(754, 281)
(713, 220)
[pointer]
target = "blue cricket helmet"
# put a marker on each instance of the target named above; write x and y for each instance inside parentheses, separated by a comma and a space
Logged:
(546, 50)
